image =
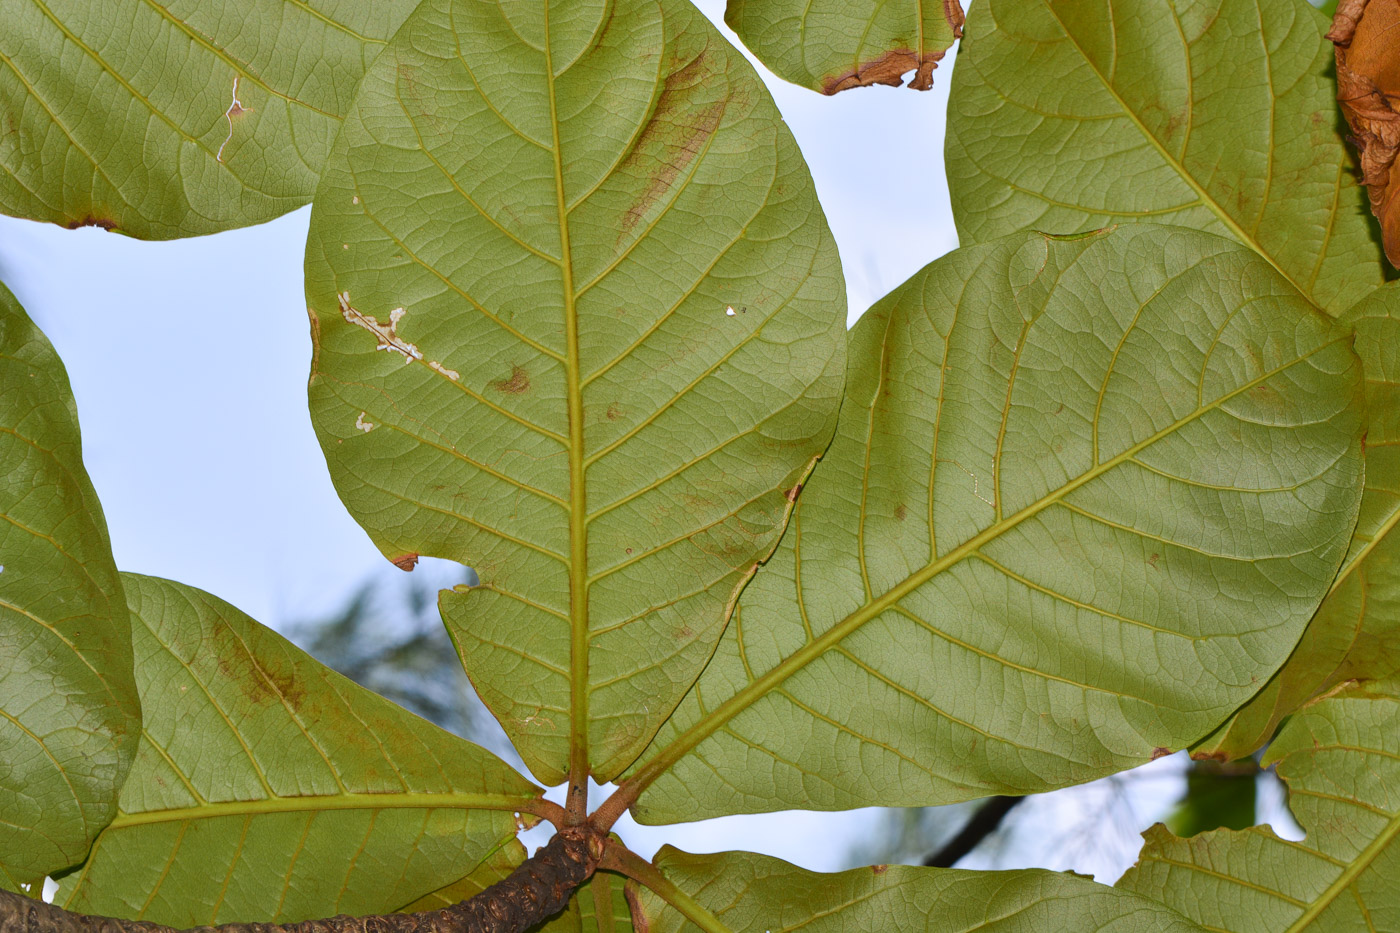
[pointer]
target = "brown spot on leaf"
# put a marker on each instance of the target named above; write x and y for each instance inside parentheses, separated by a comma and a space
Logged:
(614, 411)
(1161, 751)
(794, 492)
(91, 220)
(675, 134)
(517, 384)
(879, 869)
(901, 512)
(406, 563)
(1367, 38)
(1210, 756)
(315, 339)
(685, 632)
(1152, 561)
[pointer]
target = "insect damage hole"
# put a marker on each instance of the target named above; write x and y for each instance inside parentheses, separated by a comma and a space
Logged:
(235, 108)
(388, 336)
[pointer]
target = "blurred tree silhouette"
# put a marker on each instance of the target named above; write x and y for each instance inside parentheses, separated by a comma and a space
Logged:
(390, 639)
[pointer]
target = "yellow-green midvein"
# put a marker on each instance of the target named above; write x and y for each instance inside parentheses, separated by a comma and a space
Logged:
(577, 798)
(799, 659)
(400, 801)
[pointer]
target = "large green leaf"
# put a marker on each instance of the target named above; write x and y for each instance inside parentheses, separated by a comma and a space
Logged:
(1341, 759)
(742, 891)
(69, 714)
(1356, 632)
(1066, 115)
(580, 326)
(167, 118)
(1084, 496)
(268, 787)
(834, 45)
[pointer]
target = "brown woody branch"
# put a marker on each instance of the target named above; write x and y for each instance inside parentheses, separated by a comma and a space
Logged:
(534, 892)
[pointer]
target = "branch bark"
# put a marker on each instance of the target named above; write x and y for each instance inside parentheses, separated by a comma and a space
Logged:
(534, 892)
(983, 823)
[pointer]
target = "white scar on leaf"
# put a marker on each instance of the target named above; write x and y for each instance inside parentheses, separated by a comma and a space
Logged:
(387, 335)
(234, 108)
(362, 424)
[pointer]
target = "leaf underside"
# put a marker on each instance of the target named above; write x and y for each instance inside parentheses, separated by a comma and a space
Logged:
(1341, 760)
(1067, 115)
(69, 713)
(755, 892)
(599, 376)
(835, 45)
(1356, 632)
(267, 787)
(1084, 496)
(164, 119)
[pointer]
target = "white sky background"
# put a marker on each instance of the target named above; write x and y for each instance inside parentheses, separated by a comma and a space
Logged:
(189, 362)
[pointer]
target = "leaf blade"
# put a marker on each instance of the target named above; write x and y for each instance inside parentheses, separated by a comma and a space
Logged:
(1354, 635)
(1338, 757)
(69, 712)
(887, 651)
(234, 108)
(257, 765)
(754, 892)
(839, 46)
(659, 255)
(1123, 112)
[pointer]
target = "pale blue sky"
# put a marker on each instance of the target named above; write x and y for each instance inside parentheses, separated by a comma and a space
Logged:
(189, 362)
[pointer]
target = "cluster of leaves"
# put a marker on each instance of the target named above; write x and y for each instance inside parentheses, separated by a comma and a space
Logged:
(1063, 502)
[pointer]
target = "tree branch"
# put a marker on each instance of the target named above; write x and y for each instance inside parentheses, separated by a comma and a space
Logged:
(983, 823)
(537, 890)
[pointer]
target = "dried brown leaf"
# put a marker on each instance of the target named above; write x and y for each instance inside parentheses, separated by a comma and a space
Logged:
(1367, 37)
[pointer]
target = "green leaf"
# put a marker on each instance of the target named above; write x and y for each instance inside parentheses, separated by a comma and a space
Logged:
(1356, 632)
(69, 714)
(1341, 760)
(580, 326)
(746, 892)
(834, 45)
(268, 787)
(165, 119)
(1220, 115)
(1084, 495)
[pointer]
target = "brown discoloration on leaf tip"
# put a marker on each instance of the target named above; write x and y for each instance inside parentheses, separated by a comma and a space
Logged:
(92, 220)
(891, 67)
(1367, 38)
(406, 562)
(1161, 751)
(953, 13)
(517, 384)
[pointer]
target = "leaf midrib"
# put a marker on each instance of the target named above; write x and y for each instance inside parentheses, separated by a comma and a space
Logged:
(809, 652)
(578, 504)
(350, 801)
